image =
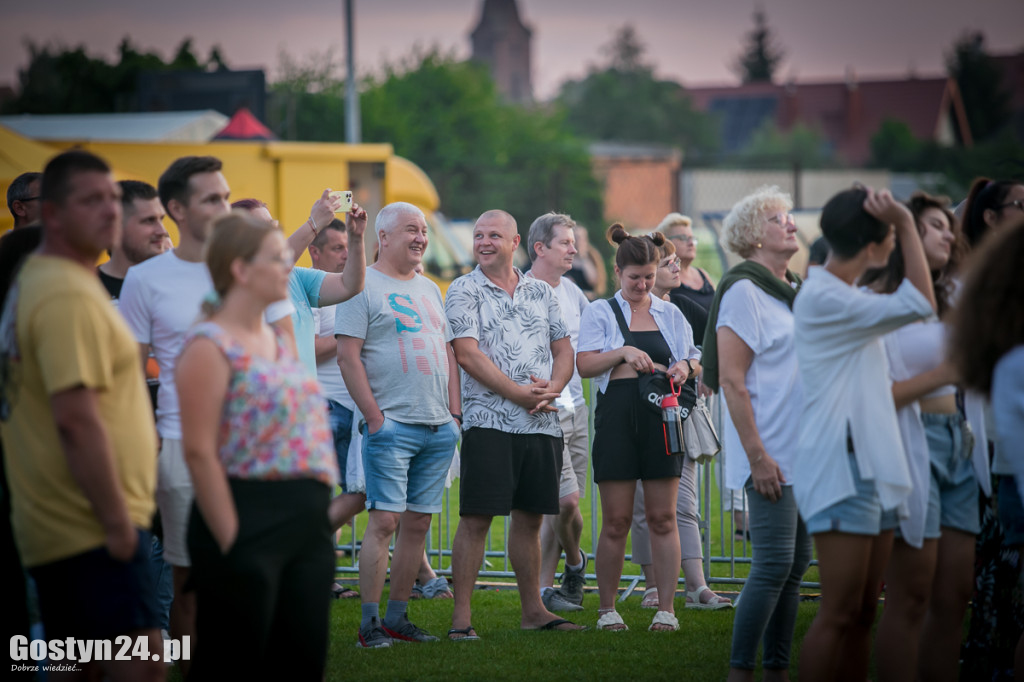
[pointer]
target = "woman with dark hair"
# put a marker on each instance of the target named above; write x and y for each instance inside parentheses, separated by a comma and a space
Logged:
(257, 445)
(628, 442)
(698, 594)
(849, 473)
(992, 204)
(987, 347)
(930, 573)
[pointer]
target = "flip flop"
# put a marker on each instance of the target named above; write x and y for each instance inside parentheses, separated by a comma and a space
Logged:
(468, 634)
(554, 625)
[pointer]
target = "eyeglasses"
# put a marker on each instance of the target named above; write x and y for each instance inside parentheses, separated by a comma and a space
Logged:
(781, 219)
(1019, 203)
(28, 199)
(684, 240)
(670, 263)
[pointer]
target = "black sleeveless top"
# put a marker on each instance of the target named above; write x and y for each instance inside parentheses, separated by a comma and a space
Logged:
(654, 344)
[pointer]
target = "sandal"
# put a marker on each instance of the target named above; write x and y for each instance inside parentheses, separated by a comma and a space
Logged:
(664, 618)
(435, 589)
(343, 592)
(610, 620)
(468, 634)
(650, 598)
(714, 602)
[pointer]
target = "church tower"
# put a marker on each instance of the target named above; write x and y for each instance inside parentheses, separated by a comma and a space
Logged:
(502, 42)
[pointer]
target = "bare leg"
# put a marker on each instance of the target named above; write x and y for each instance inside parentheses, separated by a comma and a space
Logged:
(373, 558)
(344, 507)
(616, 518)
(850, 567)
(183, 613)
(660, 501)
(560, 533)
(951, 593)
(467, 555)
(524, 553)
(908, 587)
(408, 556)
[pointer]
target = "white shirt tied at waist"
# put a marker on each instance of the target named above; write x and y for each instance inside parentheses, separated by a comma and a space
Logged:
(844, 374)
(599, 330)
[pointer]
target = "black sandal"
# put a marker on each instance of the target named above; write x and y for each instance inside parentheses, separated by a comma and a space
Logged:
(468, 634)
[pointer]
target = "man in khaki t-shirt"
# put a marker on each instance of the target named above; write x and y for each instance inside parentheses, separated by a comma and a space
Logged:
(80, 442)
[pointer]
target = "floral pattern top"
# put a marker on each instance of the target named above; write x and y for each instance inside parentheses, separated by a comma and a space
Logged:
(516, 333)
(274, 424)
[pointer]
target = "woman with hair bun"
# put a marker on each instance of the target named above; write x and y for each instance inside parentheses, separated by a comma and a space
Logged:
(628, 442)
(257, 445)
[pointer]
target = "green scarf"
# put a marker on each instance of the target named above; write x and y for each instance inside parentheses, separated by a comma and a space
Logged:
(767, 282)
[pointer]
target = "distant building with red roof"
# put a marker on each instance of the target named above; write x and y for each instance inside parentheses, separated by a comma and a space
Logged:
(847, 113)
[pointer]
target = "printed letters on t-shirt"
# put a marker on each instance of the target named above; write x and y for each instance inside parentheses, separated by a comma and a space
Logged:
(418, 334)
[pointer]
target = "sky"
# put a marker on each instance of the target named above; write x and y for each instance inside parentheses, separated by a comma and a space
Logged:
(692, 41)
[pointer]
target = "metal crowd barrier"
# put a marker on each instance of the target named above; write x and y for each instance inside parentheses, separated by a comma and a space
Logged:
(719, 569)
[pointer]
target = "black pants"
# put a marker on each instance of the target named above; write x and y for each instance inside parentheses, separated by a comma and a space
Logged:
(263, 607)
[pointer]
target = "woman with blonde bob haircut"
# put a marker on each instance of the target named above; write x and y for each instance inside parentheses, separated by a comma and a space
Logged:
(750, 352)
(254, 431)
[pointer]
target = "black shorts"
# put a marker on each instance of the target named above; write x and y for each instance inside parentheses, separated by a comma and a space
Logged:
(629, 442)
(94, 596)
(505, 471)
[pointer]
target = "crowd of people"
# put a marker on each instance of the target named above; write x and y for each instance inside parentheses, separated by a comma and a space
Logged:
(862, 408)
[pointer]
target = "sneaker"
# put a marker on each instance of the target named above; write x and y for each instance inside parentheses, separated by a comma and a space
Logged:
(374, 636)
(409, 632)
(554, 601)
(573, 582)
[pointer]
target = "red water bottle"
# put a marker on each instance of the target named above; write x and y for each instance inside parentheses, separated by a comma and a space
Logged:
(672, 421)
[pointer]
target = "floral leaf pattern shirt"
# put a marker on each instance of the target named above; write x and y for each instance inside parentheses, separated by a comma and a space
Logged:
(516, 333)
(274, 424)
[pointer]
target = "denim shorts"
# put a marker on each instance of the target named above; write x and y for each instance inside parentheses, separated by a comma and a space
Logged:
(953, 493)
(406, 465)
(859, 514)
(339, 418)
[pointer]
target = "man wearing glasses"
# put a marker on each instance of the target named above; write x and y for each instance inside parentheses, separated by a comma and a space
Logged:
(23, 199)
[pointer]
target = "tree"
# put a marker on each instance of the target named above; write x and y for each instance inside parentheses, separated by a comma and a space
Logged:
(762, 55)
(801, 145)
(622, 100)
(62, 80)
(980, 82)
(446, 116)
(307, 101)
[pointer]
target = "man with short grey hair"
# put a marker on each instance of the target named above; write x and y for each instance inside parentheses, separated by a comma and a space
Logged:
(395, 359)
(24, 199)
(552, 245)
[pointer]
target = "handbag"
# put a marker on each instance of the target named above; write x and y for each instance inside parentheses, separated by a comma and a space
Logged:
(654, 386)
(699, 437)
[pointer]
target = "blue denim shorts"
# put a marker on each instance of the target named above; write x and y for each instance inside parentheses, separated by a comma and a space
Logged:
(406, 465)
(859, 514)
(339, 418)
(953, 494)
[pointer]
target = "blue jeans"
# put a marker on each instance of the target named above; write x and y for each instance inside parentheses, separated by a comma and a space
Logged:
(406, 465)
(164, 583)
(767, 608)
(339, 418)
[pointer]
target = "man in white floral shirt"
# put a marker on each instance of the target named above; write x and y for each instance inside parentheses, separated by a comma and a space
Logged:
(513, 347)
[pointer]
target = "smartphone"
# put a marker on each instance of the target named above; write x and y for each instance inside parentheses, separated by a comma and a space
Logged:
(346, 199)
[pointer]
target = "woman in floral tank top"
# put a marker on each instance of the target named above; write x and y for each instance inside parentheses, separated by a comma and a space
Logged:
(259, 450)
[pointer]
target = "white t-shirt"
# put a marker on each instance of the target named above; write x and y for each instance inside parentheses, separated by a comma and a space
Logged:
(765, 324)
(328, 371)
(572, 301)
(161, 298)
(846, 385)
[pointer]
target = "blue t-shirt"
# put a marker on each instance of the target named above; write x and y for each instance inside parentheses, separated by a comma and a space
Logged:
(304, 292)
